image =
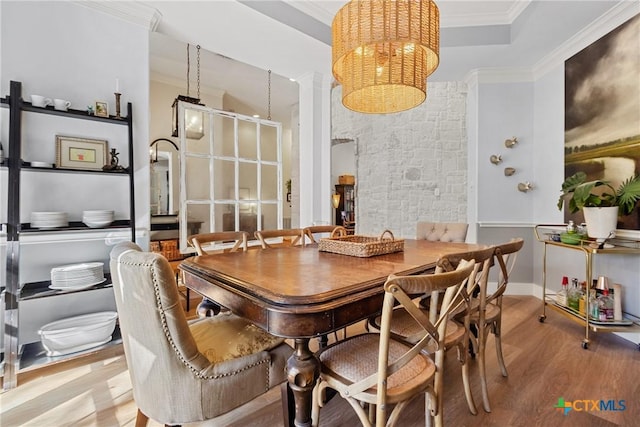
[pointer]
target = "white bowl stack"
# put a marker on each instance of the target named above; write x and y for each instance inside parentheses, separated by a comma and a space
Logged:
(75, 277)
(78, 333)
(46, 220)
(97, 218)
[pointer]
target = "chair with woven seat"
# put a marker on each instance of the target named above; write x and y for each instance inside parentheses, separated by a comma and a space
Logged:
(208, 243)
(213, 243)
(313, 231)
(442, 231)
(377, 370)
(458, 325)
(488, 315)
(285, 236)
(186, 372)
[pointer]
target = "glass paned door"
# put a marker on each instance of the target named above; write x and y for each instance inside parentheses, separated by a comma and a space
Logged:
(231, 179)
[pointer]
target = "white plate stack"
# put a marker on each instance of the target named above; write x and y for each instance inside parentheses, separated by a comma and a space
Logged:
(75, 277)
(46, 220)
(97, 218)
(78, 333)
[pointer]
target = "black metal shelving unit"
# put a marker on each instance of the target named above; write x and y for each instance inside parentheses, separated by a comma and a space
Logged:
(14, 293)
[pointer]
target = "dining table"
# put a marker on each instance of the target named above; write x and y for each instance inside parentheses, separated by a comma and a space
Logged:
(301, 293)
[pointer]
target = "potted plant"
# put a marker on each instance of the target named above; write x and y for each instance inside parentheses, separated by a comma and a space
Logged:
(598, 198)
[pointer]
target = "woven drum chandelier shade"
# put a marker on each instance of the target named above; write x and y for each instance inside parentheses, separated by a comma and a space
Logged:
(383, 51)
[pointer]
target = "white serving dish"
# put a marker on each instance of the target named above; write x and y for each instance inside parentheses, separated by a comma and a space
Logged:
(96, 224)
(97, 218)
(78, 333)
(47, 220)
(41, 164)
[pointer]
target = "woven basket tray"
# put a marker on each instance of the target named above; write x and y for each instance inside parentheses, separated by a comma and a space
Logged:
(362, 246)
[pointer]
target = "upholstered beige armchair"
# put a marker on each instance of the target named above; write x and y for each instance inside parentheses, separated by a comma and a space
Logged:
(442, 231)
(186, 372)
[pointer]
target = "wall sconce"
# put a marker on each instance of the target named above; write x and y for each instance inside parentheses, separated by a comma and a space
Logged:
(154, 157)
(496, 159)
(509, 171)
(335, 200)
(525, 186)
(510, 143)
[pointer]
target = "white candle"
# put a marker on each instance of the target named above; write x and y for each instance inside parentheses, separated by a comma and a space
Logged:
(117, 85)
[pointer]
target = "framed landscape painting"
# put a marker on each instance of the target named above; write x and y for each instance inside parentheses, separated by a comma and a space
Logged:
(602, 112)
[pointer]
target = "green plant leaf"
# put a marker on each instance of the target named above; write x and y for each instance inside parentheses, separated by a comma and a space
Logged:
(628, 195)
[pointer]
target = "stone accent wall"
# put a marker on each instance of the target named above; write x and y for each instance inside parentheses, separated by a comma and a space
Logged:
(410, 166)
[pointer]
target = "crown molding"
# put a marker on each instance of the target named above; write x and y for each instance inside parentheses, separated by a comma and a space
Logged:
(615, 17)
(134, 12)
(482, 19)
(312, 9)
(498, 75)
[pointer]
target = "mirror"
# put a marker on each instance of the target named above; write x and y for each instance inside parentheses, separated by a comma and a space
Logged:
(163, 179)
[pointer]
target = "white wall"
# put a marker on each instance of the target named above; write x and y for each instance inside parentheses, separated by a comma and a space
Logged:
(505, 111)
(65, 50)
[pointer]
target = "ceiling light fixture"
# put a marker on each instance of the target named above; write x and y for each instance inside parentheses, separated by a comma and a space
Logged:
(383, 51)
(194, 120)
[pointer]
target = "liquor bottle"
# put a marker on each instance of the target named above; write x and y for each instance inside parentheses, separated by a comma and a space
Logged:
(573, 296)
(582, 301)
(561, 295)
(593, 305)
(605, 306)
(616, 288)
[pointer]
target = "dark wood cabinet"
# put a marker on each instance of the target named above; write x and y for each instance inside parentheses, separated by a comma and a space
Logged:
(346, 211)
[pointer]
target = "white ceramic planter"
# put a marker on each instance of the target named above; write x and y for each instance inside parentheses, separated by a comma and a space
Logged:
(601, 222)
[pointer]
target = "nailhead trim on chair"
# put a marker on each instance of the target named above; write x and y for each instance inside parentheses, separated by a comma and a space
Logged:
(165, 328)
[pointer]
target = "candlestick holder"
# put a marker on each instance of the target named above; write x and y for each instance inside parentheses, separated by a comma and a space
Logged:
(117, 105)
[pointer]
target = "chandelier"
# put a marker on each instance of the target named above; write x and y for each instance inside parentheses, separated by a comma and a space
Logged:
(383, 51)
(193, 120)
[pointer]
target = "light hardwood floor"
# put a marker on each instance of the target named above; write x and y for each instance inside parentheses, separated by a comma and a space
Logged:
(545, 362)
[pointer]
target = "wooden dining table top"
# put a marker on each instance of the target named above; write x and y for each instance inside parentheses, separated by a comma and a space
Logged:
(302, 292)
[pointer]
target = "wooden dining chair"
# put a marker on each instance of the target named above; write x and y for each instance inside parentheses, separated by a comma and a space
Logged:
(442, 231)
(185, 372)
(214, 243)
(283, 237)
(458, 331)
(313, 232)
(380, 371)
(487, 318)
(217, 242)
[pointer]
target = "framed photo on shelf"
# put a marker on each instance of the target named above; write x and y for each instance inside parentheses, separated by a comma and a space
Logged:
(102, 109)
(80, 153)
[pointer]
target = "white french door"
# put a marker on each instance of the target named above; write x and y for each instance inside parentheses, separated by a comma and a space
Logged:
(231, 179)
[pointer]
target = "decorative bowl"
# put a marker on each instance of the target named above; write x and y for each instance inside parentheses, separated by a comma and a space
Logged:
(572, 238)
(78, 333)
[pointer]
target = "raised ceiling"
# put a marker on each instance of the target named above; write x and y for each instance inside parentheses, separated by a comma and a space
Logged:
(292, 38)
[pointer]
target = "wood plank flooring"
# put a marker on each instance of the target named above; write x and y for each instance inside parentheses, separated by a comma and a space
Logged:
(545, 362)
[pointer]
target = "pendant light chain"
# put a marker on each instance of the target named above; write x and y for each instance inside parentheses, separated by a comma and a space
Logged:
(269, 97)
(188, 68)
(198, 50)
